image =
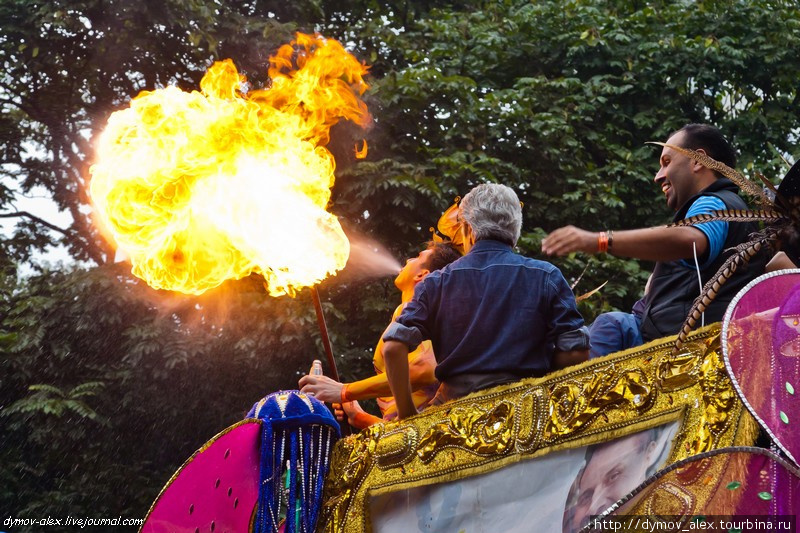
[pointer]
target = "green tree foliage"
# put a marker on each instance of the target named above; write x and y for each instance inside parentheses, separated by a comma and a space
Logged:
(107, 386)
(557, 99)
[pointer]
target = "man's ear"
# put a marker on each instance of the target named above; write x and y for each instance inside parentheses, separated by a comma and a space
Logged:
(696, 165)
(419, 276)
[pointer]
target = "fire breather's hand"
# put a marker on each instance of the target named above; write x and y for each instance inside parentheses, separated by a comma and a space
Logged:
(351, 410)
(338, 412)
(569, 239)
(322, 388)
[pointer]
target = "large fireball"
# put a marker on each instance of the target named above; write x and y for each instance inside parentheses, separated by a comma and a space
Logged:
(201, 187)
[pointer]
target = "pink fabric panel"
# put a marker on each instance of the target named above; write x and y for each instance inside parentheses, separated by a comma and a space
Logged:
(216, 490)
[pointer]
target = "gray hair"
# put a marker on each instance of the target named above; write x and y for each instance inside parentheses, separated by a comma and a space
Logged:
(493, 212)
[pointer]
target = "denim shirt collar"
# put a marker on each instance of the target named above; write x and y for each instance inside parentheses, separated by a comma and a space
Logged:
(489, 245)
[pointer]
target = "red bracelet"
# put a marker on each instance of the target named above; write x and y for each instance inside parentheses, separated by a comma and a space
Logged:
(602, 242)
(344, 397)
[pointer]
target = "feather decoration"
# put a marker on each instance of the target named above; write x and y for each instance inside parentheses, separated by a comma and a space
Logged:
(744, 252)
(743, 183)
(589, 294)
(575, 284)
(768, 183)
(770, 192)
(769, 216)
(785, 161)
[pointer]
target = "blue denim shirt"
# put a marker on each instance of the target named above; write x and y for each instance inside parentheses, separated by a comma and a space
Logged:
(492, 311)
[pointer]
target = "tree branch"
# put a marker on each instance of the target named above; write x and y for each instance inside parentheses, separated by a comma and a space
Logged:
(38, 220)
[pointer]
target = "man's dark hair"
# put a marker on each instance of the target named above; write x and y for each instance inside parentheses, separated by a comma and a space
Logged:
(711, 140)
(443, 253)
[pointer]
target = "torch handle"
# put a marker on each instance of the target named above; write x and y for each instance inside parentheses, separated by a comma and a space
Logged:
(323, 329)
(326, 341)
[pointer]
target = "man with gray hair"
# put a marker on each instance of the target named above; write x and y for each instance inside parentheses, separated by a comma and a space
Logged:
(493, 316)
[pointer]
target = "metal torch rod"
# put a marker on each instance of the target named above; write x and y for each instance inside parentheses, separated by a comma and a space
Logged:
(323, 329)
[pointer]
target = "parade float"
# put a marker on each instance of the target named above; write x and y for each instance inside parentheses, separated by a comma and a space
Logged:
(189, 186)
(647, 439)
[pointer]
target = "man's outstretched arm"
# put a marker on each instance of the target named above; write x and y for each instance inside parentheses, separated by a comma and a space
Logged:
(651, 244)
(421, 374)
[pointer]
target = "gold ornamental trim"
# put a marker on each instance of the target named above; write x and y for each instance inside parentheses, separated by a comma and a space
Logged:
(597, 401)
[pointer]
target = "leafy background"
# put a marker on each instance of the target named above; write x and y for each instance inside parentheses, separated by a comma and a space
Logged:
(106, 386)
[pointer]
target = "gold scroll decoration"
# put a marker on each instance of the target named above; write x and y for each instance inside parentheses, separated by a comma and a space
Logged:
(575, 404)
(718, 398)
(531, 416)
(396, 446)
(351, 470)
(680, 370)
(700, 364)
(482, 432)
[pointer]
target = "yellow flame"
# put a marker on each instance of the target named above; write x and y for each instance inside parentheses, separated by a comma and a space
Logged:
(201, 187)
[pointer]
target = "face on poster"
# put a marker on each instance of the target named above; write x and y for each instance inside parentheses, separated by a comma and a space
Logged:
(557, 493)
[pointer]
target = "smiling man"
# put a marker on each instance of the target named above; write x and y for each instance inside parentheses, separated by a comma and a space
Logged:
(612, 470)
(690, 189)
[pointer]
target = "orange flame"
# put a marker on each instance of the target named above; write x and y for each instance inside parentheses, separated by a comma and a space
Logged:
(361, 153)
(201, 187)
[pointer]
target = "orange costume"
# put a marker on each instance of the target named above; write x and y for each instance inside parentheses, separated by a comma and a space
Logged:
(421, 362)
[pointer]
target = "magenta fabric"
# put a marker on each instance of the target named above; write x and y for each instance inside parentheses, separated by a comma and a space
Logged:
(762, 353)
(216, 490)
